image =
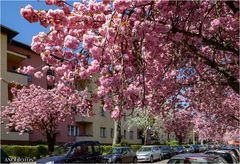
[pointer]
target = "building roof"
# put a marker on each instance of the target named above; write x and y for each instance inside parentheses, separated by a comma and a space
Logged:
(10, 32)
(20, 44)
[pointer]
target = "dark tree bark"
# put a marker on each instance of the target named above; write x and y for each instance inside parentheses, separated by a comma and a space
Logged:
(180, 139)
(51, 141)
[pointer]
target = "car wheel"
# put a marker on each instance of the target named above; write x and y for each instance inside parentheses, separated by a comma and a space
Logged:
(134, 160)
(160, 157)
(151, 159)
(118, 161)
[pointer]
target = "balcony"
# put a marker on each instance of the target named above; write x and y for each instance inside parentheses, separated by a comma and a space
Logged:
(15, 57)
(84, 138)
(81, 119)
(86, 129)
(16, 78)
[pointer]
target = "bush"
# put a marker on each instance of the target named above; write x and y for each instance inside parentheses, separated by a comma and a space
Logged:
(106, 148)
(124, 143)
(42, 151)
(117, 145)
(26, 151)
(173, 143)
(136, 147)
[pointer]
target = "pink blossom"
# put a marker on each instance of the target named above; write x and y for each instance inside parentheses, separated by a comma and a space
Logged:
(27, 70)
(29, 14)
(71, 42)
(38, 74)
(55, 2)
(96, 52)
(121, 5)
(50, 78)
(116, 113)
(88, 40)
(68, 54)
(45, 68)
(215, 23)
(178, 36)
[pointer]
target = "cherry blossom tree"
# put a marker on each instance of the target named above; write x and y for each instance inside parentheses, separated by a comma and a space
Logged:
(179, 123)
(139, 49)
(35, 108)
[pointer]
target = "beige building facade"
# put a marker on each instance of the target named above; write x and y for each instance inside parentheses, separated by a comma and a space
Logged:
(7, 57)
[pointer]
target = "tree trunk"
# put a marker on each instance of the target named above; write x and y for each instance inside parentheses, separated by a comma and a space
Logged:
(146, 136)
(51, 140)
(117, 132)
(168, 137)
(180, 140)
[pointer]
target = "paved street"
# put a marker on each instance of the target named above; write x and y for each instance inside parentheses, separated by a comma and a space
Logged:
(158, 162)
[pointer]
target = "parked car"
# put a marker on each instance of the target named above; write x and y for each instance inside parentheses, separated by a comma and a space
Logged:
(180, 149)
(167, 152)
(196, 158)
(120, 155)
(4, 157)
(149, 153)
(205, 147)
(189, 149)
(211, 146)
(225, 154)
(197, 148)
(235, 151)
(202, 148)
(78, 152)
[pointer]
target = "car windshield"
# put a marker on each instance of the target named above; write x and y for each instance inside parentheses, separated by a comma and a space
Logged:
(116, 151)
(145, 149)
(226, 156)
(165, 148)
(62, 150)
(179, 147)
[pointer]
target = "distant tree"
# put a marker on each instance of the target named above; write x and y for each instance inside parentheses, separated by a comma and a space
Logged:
(35, 108)
(179, 123)
(144, 120)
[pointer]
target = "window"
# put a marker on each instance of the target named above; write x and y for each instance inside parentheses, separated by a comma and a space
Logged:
(139, 134)
(103, 113)
(124, 134)
(82, 150)
(131, 135)
(73, 130)
(103, 132)
(112, 132)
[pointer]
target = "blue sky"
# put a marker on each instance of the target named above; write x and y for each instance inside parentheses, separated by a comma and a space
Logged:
(11, 17)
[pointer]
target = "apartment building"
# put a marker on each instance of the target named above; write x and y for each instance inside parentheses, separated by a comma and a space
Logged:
(15, 54)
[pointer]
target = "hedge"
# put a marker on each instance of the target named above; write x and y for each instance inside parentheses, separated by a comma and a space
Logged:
(136, 147)
(106, 149)
(40, 151)
(26, 151)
